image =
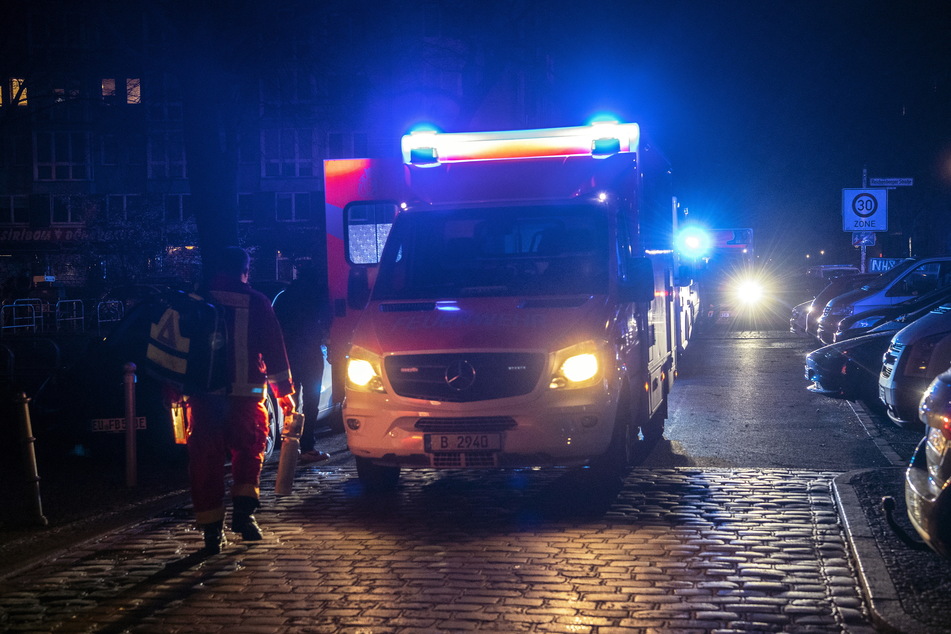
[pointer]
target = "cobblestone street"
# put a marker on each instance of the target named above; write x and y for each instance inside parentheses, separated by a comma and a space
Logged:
(541, 551)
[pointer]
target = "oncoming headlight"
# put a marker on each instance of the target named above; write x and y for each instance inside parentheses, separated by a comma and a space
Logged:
(363, 371)
(750, 292)
(576, 366)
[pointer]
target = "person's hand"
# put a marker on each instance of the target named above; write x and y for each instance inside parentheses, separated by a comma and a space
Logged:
(288, 404)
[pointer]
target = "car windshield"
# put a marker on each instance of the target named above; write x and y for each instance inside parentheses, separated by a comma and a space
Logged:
(495, 251)
(888, 276)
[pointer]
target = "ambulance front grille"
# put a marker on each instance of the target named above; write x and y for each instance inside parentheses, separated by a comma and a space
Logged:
(480, 424)
(464, 377)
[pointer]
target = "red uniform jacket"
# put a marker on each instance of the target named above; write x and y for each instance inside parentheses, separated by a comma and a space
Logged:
(257, 355)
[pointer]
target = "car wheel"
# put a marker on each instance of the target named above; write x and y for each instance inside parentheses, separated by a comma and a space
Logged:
(376, 478)
(275, 423)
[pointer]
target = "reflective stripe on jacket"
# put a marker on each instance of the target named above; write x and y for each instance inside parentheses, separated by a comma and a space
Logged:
(257, 355)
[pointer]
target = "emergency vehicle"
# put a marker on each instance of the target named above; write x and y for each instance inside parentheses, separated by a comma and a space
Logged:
(524, 309)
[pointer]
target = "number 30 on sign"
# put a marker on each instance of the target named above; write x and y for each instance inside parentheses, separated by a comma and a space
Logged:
(865, 209)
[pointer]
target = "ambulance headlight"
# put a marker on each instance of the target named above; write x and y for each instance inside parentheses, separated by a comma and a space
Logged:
(576, 366)
(363, 371)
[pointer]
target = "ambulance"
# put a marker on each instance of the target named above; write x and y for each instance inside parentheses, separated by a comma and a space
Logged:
(503, 300)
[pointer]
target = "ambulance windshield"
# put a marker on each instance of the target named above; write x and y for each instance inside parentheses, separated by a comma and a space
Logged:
(495, 251)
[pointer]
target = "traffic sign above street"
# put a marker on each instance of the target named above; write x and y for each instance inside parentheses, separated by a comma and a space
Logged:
(865, 209)
(891, 182)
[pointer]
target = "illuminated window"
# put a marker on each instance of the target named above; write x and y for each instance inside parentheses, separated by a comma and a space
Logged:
(14, 209)
(109, 90)
(288, 153)
(62, 156)
(292, 207)
(166, 153)
(18, 92)
(133, 91)
(368, 224)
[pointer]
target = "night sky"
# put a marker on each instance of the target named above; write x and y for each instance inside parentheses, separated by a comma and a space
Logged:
(767, 110)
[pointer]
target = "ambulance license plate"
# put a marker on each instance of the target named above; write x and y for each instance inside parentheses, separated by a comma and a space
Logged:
(462, 442)
(115, 424)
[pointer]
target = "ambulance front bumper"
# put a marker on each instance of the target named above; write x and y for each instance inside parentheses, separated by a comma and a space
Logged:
(566, 428)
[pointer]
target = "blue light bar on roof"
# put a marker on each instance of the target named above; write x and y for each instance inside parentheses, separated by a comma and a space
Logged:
(598, 140)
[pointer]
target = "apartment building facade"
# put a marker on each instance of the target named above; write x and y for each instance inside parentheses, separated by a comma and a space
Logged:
(95, 181)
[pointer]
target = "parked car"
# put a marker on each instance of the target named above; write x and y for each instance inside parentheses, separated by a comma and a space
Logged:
(833, 289)
(927, 490)
(848, 369)
(797, 318)
(915, 356)
(861, 323)
(909, 279)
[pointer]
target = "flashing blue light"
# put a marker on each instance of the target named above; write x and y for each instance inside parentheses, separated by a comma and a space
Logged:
(605, 147)
(693, 242)
(603, 119)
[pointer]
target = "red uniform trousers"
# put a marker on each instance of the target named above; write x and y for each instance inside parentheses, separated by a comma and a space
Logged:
(219, 427)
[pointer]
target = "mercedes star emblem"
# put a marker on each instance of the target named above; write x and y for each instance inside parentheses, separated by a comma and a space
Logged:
(460, 375)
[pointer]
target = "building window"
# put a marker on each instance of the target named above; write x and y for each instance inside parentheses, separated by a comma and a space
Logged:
(109, 90)
(347, 145)
(18, 92)
(245, 207)
(15, 209)
(292, 207)
(177, 208)
(66, 105)
(128, 90)
(165, 100)
(62, 156)
(166, 155)
(288, 153)
(133, 91)
(110, 150)
(67, 210)
(122, 207)
(22, 149)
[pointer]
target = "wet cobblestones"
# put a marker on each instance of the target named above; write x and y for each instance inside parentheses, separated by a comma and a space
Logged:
(683, 550)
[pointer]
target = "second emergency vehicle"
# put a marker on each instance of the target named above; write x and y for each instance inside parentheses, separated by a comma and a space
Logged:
(524, 306)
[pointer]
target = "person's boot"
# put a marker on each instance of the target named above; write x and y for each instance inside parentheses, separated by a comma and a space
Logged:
(242, 520)
(214, 537)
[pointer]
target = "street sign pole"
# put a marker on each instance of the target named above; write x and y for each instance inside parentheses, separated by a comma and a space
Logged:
(864, 185)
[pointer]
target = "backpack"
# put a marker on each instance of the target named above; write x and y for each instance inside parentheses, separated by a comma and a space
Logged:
(188, 345)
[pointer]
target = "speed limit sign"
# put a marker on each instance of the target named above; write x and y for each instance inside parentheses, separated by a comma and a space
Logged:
(865, 209)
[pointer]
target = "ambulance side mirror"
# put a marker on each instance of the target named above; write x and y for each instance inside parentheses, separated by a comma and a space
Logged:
(639, 286)
(358, 288)
(684, 275)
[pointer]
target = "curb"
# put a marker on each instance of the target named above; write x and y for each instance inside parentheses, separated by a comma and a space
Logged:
(880, 592)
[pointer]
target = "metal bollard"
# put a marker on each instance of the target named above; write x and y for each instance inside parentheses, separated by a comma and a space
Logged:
(131, 466)
(29, 454)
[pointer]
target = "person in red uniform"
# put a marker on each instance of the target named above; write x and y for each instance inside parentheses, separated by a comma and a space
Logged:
(233, 423)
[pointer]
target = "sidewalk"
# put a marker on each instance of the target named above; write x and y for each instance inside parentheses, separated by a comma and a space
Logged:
(908, 590)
